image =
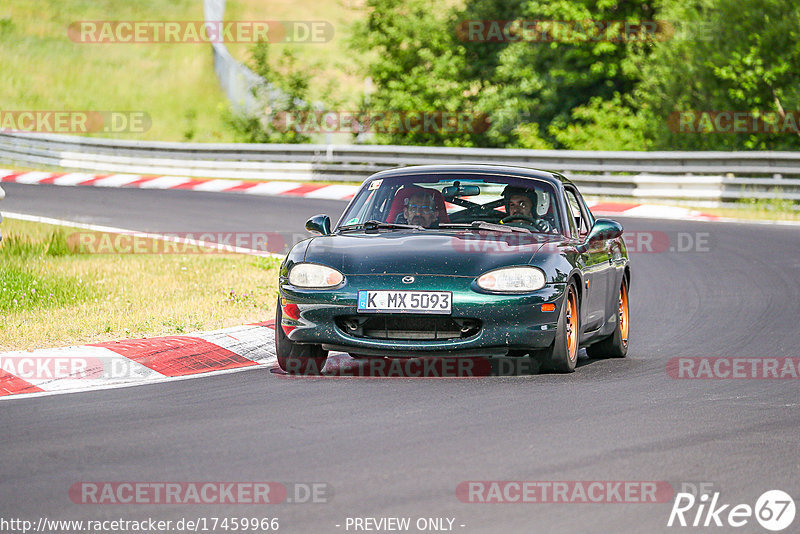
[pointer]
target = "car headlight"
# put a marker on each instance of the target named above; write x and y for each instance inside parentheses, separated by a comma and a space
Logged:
(512, 280)
(314, 276)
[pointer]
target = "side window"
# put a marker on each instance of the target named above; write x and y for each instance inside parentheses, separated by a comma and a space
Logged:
(573, 228)
(577, 215)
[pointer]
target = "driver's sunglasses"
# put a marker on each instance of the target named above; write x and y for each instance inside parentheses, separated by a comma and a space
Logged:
(419, 208)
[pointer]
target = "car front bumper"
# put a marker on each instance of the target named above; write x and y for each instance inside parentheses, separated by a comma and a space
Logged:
(507, 321)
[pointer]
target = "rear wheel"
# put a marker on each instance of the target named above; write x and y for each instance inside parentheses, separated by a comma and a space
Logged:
(615, 345)
(295, 358)
(562, 355)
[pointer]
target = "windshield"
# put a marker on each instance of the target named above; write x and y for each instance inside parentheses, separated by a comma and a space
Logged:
(450, 201)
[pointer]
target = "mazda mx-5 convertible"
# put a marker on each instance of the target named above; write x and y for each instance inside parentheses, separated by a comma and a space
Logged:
(456, 260)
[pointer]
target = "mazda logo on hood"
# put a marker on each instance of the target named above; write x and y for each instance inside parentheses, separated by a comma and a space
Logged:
(408, 279)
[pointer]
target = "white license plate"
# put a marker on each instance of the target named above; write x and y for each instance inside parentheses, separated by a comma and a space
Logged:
(405, 302)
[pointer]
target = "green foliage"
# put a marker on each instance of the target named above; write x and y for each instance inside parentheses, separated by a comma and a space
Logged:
(602, 125)
(731, 55)
(419, 67)
(287, 93)
(583, 92)
(529, 137)
(544, 81)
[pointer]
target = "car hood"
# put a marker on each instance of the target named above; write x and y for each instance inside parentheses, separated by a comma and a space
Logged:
(435, 252)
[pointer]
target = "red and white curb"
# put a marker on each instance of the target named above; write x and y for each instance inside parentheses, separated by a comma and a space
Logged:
(136, 361)
(276, 188)
(648, 211)
(294, 189)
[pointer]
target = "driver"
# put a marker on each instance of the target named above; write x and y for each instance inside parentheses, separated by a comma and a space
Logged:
(420, 209)
(519, 207)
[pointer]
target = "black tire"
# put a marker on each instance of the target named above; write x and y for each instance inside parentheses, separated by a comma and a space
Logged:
(615, 345)
(562, 355)
(295, 358)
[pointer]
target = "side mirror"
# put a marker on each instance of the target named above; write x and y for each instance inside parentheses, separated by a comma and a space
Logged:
(604, 229)
(319, 224)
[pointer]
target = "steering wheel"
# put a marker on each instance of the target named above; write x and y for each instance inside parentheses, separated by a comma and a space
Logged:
(540, 224)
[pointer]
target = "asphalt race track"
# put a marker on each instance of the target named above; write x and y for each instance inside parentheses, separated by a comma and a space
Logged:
(400, 447)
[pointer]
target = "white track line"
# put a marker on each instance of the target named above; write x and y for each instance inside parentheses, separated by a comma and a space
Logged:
(137, 233)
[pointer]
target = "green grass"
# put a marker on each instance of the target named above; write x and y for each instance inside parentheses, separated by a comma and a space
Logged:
(52, 295)
(24, 286)
(337, 68)
(174, 83)
(43, 69)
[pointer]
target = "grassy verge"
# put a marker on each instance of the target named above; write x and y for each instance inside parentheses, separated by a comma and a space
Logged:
(51, 296)
(336, 67)
(761, 210)
(174, 83)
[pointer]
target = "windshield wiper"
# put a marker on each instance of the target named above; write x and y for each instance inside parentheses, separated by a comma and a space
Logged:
(378, 225)
(485, 225)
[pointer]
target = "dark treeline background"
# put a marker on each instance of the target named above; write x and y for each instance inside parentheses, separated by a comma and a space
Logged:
(593, 94)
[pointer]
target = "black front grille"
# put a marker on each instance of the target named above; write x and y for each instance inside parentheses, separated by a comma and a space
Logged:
(408, 327)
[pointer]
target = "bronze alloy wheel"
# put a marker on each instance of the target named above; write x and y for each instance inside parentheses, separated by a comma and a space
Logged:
(615, 345)
(623, 313)
(562, 355)
(572, 325)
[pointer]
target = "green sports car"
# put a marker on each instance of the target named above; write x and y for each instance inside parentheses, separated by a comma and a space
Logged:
(452, 261)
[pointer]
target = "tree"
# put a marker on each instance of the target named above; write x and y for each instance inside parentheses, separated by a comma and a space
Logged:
(564, 62)
(418, 67)
(287, 94)
(729, 55)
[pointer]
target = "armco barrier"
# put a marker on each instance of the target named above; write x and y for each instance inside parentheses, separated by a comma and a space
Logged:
(236, 80)
(711, 176)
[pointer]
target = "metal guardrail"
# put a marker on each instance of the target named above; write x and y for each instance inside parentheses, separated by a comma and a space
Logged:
(237, 81)
(676, 175)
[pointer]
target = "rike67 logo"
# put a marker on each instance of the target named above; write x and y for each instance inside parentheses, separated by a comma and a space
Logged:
(774, 510)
